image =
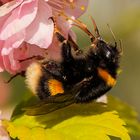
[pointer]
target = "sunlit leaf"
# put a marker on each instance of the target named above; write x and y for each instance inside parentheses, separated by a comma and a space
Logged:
(78, 121)
(99, 126)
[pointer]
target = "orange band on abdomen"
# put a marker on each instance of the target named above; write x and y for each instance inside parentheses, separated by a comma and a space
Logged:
(55, 87)
(110, 81)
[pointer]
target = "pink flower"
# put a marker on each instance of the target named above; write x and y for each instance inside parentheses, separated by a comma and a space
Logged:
(4, 1)
(26, 28)
(4, 134)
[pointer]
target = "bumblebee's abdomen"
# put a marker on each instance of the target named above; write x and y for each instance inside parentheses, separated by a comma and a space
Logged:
(41, 82)
(33, 76)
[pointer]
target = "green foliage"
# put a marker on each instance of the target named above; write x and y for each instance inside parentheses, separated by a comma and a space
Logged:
(75, 128)
(77, 122)
(127, 113)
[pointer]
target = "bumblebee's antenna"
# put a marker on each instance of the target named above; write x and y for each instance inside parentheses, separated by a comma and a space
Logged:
(95, 27)
(121, 47)
(113, 35)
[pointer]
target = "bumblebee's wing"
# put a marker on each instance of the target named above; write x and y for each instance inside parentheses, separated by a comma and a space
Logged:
(53, 103)
(56, 102)
(47, 108)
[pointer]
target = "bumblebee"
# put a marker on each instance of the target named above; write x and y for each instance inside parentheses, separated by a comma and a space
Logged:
(79, 78)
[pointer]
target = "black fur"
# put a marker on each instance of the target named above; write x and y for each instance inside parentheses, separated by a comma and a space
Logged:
(85, 66)
(81, 69)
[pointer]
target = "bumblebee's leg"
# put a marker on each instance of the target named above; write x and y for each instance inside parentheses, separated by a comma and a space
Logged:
(73, 64)
(91, 89)
(22, 73)
(66, 48)
(60, 37)
(38, 57)
(66, 52)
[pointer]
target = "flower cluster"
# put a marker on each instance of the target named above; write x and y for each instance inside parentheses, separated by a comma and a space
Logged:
(26, 28)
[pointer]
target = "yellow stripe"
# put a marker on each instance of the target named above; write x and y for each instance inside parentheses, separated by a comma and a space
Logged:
(55, 86)
(106, 77)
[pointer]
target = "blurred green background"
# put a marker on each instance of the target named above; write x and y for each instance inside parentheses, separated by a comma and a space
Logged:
(124, 18)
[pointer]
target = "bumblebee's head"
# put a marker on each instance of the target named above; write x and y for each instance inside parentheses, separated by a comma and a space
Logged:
(108, 55)
(107, 52)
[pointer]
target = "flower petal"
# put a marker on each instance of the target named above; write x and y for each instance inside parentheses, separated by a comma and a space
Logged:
(63, 25)
(1, 70)
(10, 64)
(3, 134)
(19, 19)
(1, 61)
(40, 32)
(54, 50)
(76, 8)
(13, 42)
(5, 11)
(8, 7)
(26, 28)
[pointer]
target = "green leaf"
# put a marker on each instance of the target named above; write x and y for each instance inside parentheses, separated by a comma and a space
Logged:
(127, 113)
(79, 127)
(96, 126)
(77, 121)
